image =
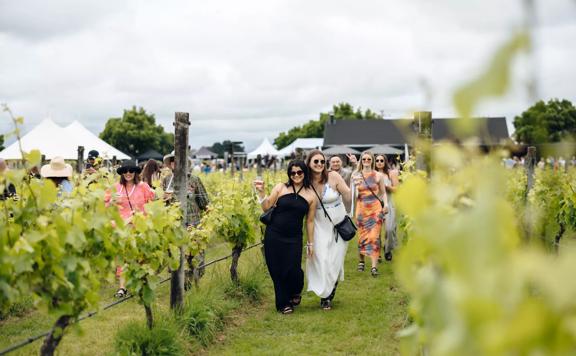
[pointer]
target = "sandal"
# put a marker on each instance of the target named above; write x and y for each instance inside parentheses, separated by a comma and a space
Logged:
(388, 256)
(296, 300)
(374, 271)
(361, 266)
(287, 310)
(121, 293)
(326, 304)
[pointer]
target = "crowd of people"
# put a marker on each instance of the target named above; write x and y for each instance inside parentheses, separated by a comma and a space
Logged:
(321, 197)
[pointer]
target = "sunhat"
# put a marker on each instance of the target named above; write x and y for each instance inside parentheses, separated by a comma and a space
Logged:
(129, 166)
(57, 168)
(171, 156)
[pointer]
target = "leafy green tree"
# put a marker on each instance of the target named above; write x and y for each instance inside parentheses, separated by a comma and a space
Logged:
(224, 146)
(548, 122)
(135, 132)
(315, 128)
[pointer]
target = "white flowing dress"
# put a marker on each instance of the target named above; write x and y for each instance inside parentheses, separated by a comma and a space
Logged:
(326, 265)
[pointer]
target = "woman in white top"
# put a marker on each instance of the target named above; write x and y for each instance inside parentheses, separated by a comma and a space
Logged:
(326, 266)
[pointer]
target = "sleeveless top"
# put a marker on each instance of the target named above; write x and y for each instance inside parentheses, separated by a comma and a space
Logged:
(287, 221)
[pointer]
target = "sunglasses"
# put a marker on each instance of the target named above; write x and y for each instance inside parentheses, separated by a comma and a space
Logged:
(130, 170)
(319, 161)
(380, 161)
(366, 159)
(296, 173)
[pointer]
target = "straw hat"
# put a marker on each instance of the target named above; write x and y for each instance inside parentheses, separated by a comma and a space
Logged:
(57, 168)
(170, 156)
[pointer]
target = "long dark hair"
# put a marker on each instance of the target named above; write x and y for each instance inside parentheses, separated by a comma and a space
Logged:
(386, 163)
(136, 179)
(150, 168)
(324, 174)
(300, 164)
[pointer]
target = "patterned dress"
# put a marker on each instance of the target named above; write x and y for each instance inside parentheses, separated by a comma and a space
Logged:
(369, 216)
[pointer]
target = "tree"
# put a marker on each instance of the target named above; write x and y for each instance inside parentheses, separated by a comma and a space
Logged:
(1, 142)
(224, 146)
(135, 132)
(548, 122)
(315, 128)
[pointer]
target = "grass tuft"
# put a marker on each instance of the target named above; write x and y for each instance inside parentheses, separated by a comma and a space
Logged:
(136, 339)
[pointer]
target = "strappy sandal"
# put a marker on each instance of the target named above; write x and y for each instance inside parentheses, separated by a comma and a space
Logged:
(374, 271)
(121, 293)
(388, 256)
(287, 310)
(326, 304)
(296, 300)
(361, 266)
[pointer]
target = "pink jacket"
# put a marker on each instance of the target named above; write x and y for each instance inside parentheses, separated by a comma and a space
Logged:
(129, 201)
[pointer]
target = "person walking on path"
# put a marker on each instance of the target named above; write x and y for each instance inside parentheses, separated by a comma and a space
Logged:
(151, 173)
(130, 196)
(197, 203)
(371, 207)
(292, 201)
(326, 267)
(391, 183)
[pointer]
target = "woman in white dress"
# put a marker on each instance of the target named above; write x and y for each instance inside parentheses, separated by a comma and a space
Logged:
(326, 266)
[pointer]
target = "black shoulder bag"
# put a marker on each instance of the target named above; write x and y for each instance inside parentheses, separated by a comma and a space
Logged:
(345, 228)
(266, 217)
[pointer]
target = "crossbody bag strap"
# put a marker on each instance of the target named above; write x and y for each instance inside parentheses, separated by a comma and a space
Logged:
(128, 196)
(371, 191)
(322, 205)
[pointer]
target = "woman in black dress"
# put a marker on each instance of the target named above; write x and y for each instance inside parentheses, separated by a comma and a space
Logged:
(283, 237)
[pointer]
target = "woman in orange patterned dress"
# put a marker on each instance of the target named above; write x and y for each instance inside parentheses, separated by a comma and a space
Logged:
(371, 206)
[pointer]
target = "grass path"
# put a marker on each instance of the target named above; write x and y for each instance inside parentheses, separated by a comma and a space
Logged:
(366, 315)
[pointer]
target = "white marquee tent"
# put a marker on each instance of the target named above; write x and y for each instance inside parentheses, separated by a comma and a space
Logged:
(264, 149)
(303, 143)
(53, 140)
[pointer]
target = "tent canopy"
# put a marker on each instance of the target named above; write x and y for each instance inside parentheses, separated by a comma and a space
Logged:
(340, 150)
(385, 150)
(150, 154)
(303, 143)
(53, 140)
(264, 149)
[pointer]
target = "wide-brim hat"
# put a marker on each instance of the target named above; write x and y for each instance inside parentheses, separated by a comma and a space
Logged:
(126, 165)
(57, 168)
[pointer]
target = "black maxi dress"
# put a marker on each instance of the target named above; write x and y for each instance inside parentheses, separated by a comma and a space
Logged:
(283, 247)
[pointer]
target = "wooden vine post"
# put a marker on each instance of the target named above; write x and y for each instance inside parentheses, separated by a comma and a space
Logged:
(80, 161)
(530, 163)
(181, 125)
(422, 126)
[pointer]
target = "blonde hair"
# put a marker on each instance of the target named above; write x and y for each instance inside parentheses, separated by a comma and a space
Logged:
(359, 164)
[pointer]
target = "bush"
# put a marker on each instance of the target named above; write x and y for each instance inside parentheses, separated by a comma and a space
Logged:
(17, 309)
(250, 287)
(204, 316)
(136, 339)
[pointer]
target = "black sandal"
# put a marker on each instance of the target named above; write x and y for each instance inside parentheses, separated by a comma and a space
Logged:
(296, 300)
(361, 266)
(326, 304)
(388, 256)
(374, 271)
(287, 310)
(121, 293)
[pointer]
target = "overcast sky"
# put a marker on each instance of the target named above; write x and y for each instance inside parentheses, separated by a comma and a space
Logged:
(248, 69)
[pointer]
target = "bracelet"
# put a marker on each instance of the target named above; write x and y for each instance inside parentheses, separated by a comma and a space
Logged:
(260, 200)
(310, 244)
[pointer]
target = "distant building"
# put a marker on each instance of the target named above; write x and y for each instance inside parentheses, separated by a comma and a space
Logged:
(363, 134)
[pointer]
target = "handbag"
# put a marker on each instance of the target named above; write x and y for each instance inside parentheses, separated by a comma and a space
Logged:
(266, 217)
(345, 228)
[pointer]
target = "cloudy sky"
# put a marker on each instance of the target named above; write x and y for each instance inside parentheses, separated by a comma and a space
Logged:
(249, 69)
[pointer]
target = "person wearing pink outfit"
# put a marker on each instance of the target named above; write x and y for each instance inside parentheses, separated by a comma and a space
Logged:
(130, 195)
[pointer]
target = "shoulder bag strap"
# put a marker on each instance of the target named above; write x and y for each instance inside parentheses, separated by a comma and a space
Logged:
(371, 191)
(128, 196)
(322, 204)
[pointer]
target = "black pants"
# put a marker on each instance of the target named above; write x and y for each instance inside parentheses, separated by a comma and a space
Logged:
(284, 261)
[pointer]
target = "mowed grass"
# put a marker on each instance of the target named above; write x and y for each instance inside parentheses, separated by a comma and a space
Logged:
(95, 336)
(366, 315)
